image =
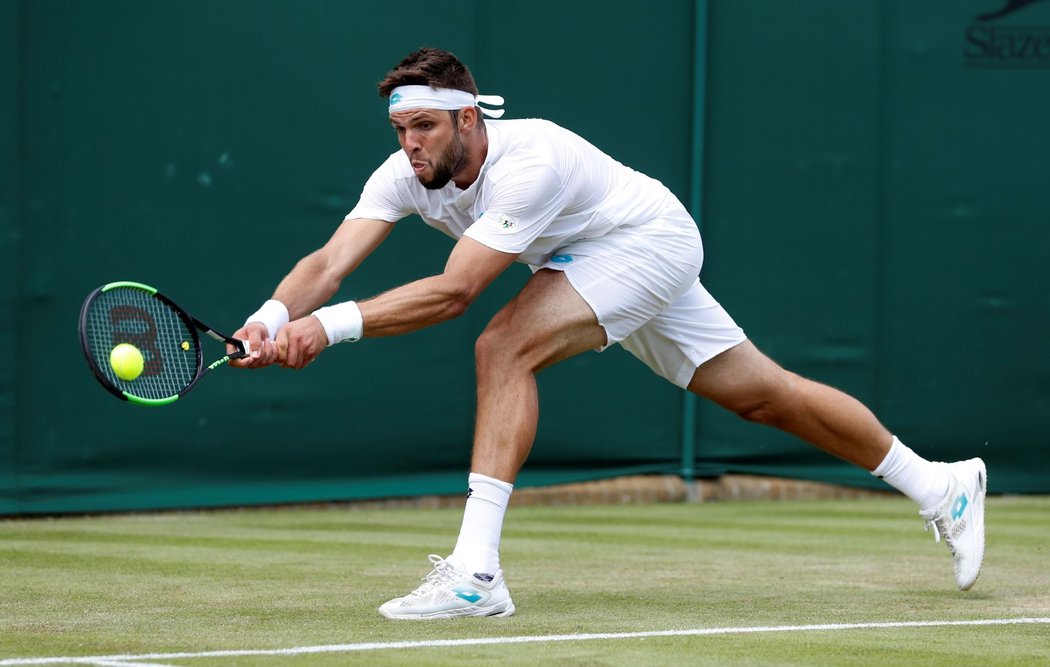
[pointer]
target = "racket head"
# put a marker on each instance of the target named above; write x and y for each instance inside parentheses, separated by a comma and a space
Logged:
(129, 312)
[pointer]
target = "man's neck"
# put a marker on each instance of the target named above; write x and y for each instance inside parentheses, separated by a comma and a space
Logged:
(477, 151)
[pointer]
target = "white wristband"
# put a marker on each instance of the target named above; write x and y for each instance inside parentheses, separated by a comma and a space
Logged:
(342, 322)
(273, 315)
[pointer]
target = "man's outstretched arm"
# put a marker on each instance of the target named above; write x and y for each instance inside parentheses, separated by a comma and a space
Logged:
(471, 268)
(313, 281)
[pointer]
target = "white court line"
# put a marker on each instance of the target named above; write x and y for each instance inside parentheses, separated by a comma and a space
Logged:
(127, 660)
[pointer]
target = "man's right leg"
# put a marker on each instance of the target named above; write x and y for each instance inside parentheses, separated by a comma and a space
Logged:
(547, 322)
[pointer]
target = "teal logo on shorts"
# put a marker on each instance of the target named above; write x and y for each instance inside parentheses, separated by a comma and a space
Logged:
(562, 259)
(395, 98)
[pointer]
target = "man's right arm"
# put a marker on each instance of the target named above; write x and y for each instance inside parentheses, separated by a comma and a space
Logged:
(314, 280)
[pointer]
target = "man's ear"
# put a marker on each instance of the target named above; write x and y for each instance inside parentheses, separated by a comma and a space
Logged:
(468, 119)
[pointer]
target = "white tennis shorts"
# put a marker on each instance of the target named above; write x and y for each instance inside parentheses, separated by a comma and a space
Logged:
(641, 282)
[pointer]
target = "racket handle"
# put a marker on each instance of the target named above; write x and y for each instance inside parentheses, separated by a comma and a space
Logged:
(244, 351)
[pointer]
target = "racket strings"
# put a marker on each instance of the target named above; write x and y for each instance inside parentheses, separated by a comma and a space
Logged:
(167, 344)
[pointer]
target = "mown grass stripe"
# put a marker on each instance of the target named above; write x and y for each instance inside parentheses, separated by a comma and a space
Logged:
(489, 641)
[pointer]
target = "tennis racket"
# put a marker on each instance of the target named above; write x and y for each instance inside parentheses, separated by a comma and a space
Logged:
(167, 360)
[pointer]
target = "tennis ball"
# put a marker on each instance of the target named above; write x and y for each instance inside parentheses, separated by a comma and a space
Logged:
(126, 361)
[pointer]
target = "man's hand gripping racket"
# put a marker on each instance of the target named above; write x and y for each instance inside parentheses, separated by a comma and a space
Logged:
(296, 344)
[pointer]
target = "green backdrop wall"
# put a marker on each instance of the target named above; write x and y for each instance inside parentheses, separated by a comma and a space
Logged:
(871, 182)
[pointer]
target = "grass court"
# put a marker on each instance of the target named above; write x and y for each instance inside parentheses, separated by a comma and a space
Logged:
(796, 583)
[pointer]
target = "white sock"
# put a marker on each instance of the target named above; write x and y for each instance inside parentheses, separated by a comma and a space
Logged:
(478, 544)
(925, 482)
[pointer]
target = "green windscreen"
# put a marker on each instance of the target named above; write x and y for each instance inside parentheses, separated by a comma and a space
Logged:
(870, 182)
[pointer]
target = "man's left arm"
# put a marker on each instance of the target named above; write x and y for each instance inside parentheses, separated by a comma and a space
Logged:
(470, 269)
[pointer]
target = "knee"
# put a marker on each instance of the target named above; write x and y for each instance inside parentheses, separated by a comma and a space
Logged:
(773, 406)
(762, 411)
(495, 350)
(485, 348)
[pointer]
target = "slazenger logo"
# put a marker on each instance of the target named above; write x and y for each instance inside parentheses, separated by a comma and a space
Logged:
(1011, 7)
(990, 43)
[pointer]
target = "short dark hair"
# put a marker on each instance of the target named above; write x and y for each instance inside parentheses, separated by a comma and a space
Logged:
(429, 67)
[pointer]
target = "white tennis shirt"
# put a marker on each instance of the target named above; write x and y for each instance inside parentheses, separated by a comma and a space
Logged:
(541, 189)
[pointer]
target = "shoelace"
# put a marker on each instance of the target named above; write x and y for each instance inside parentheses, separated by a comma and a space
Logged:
(443, 572)
(936, 530)
(940, 530)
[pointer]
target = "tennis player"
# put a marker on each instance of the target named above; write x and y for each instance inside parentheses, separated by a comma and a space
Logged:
(615, 259)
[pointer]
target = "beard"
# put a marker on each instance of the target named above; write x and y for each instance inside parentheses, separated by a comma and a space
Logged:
(447, 165)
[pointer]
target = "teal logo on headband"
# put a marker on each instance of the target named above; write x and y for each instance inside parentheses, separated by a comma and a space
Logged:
(395, 98)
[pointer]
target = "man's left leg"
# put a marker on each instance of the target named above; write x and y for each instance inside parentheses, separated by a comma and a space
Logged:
(545, 323)
(748, 383)
(950, 496)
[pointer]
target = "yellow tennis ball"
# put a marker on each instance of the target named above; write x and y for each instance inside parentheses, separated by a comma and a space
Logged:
(126, 361)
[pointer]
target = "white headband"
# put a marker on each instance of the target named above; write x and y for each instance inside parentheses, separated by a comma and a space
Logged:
(404, 98)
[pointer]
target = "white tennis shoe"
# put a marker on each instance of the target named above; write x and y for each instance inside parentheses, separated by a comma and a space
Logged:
(960, 519)
(449, 592)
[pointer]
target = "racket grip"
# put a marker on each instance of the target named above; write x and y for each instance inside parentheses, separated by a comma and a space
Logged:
(244, 348)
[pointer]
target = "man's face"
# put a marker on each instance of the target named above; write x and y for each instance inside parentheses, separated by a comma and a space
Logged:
(432, 143)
